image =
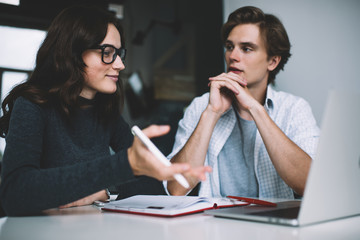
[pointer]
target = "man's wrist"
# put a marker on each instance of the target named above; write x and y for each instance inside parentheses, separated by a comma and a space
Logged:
(211, 115)
(256, 109)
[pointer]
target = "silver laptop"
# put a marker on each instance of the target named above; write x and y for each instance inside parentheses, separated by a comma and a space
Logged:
(332, 189)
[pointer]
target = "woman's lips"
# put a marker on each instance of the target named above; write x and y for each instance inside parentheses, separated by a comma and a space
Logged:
(113, 77)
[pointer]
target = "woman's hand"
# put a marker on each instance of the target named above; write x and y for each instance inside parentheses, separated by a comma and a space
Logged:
(99, 196)
(143, 162)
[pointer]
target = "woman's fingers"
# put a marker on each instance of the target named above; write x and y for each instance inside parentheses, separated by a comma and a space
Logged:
(143, 162)
(156, 130)
(184, 168)
(200, 172)
(101, 195)
(168, 172)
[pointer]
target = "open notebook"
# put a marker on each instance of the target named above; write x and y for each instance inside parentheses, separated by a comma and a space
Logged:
(169, 206)
(332, 188)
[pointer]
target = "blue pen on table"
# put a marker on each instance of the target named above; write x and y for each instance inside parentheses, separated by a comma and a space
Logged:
(154, 150)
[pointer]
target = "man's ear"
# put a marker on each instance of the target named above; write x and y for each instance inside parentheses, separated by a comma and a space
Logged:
(274, 62)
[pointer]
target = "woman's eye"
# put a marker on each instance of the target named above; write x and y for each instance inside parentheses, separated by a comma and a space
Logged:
(229, 47)
(106, 53)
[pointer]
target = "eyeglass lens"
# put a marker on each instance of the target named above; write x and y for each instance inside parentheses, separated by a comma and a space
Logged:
(109, 54)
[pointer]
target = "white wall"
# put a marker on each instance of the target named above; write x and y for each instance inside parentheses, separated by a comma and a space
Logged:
(325, 39)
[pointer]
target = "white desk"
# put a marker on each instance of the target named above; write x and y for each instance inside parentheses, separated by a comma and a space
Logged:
(89, 222)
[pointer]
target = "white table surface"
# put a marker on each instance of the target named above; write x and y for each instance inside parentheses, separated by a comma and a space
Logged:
(89, 222)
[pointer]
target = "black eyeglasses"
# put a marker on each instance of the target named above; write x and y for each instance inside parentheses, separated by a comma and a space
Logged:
(109, 53)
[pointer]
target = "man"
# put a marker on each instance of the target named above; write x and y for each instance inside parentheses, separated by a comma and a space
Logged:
(259, 142)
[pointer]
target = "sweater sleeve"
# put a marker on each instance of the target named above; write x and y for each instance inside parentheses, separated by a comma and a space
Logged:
(26, 188)
(121, 137)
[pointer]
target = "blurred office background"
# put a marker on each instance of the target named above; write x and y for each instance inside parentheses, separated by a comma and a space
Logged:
(174, 46)
(325, 40)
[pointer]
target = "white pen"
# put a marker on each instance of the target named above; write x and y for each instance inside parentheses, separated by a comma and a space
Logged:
(154, 150)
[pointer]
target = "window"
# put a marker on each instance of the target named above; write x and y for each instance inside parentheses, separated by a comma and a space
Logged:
(9, 80)
(11, 2)
(18, 48)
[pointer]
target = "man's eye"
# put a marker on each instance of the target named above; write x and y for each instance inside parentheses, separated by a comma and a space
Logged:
(246, 49)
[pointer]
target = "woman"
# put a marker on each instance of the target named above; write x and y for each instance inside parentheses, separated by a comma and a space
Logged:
(60, 124)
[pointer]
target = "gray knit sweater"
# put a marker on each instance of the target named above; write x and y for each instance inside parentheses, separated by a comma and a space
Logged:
(48, 163)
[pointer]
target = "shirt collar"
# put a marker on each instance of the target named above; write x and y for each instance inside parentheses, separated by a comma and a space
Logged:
(269, 100)
(85, 102)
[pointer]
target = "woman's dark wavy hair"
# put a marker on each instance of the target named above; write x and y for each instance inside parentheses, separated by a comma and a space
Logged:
(58, 77)
(272, 31)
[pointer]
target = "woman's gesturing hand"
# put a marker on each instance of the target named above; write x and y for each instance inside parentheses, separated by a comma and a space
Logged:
(143, 162)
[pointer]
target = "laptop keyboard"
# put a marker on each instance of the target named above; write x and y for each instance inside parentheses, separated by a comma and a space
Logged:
(289, 213)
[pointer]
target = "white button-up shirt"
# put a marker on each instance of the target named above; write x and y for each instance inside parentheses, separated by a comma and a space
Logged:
(291, 114)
